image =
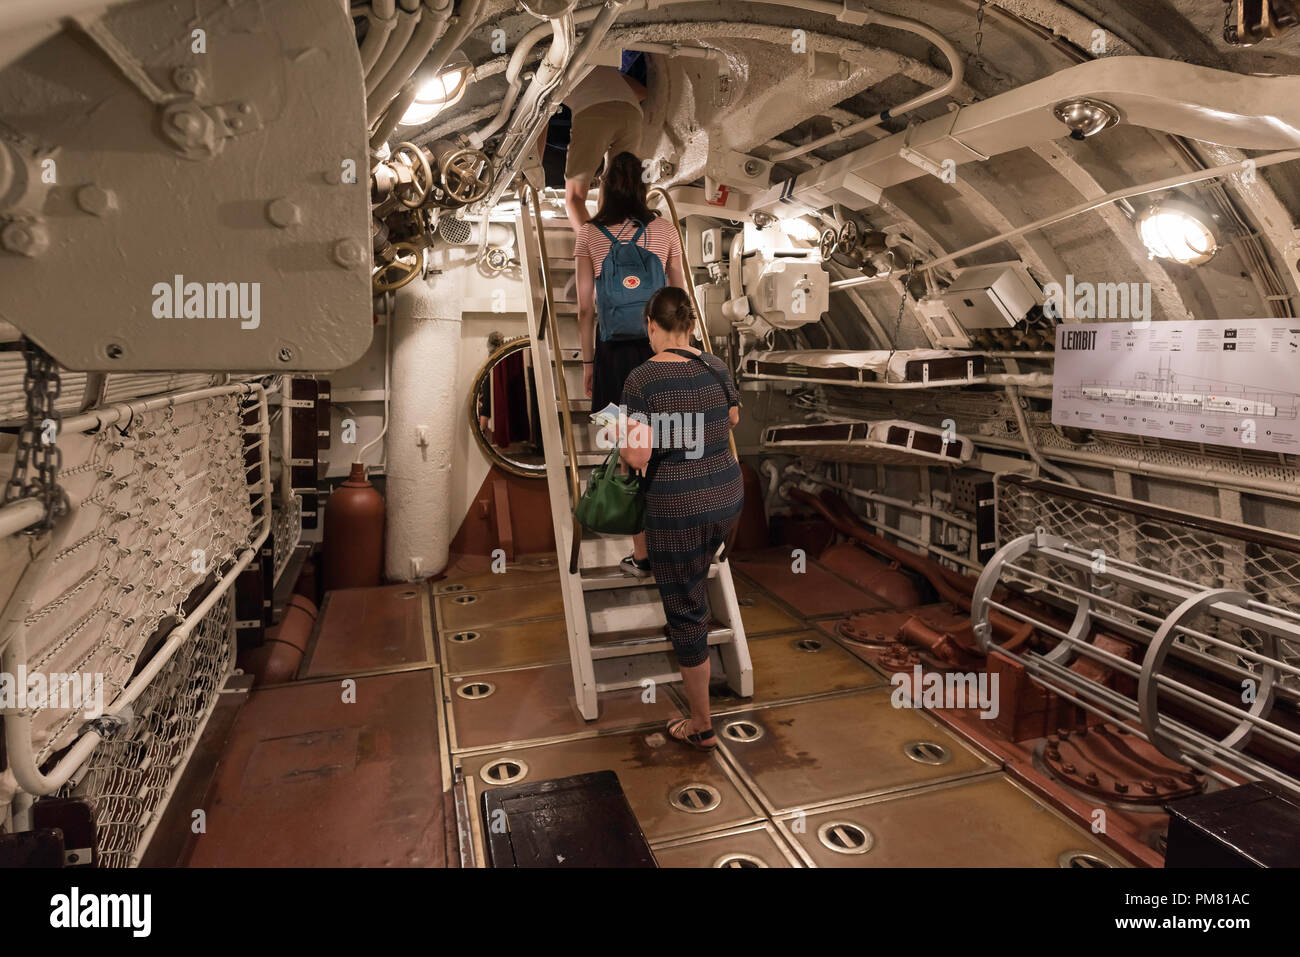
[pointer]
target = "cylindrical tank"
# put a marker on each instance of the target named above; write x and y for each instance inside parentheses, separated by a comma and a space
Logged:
(883, 580)
(354, 533)
(425, 408)
(278, 658)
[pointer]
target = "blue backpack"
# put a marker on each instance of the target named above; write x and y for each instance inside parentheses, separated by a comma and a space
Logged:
(629, 276)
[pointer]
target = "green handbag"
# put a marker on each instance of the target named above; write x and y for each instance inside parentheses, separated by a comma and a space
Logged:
(613, 503)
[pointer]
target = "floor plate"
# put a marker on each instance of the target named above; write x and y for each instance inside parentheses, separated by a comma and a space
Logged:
(795, 665)
(759, 614)
(814, 592)
(651, 770)
(755, 846)
(840, 748)
(497, 708)
(308, 779)
(469, 609)
(983, 822)
(362, 629)
(471, 573)
(491, 647)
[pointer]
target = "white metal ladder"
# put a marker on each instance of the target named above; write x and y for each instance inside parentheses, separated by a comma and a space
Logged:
(615, 623)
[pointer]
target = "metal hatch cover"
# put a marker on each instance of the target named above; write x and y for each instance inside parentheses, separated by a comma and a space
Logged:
(217, 151)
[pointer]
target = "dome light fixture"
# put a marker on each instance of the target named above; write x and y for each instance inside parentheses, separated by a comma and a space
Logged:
(1085, 117)
(439, 92)
(1178, 230)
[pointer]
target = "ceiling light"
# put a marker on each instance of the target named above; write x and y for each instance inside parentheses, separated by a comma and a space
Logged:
(1086, 117)
(439, 92)
(1178, 230)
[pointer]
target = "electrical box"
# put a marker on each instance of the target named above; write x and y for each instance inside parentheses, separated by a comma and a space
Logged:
(711, 245)
(996, 296)
(787, 291)
(712, 297)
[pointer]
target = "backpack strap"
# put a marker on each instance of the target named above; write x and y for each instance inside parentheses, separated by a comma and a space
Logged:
(608, 235)
(639, 231)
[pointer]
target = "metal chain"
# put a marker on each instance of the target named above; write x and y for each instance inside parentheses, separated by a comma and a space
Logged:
(902, 302)
(979, 31)
(38, 440)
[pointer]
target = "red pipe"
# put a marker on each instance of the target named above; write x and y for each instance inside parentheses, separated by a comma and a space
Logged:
(952, 586)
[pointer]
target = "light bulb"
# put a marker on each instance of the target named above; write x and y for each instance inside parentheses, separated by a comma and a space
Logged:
(1177, 230)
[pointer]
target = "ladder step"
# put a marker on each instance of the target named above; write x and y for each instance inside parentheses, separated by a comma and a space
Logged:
(621, 644)
(606, 577)
(610, 576)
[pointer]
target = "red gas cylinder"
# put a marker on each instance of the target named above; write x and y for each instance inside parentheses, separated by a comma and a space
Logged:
(354, 533)
(883, 580)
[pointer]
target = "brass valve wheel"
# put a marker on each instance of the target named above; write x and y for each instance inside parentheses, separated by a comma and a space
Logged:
(420, 167)
(404, 271)
(466, 176)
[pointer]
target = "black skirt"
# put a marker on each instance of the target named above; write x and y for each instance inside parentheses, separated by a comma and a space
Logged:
(613, 361)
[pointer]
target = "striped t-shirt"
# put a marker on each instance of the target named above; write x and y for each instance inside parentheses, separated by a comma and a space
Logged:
(659, 237)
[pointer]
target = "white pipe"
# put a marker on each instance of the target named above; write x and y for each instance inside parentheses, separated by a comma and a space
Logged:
(516, 65)
(382, 17)
(954, 81)
(549, 75)
(20, 514)
(1030, 446)
(836, 10)
(389, 298)
(18, 734)
(431, 28)
(680, 49)
(399, 35)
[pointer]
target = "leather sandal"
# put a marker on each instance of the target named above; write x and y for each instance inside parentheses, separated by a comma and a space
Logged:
(699, 740)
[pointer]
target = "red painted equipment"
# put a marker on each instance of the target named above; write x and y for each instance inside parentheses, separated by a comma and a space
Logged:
(354, 533)
(278, 658)
(870, 574)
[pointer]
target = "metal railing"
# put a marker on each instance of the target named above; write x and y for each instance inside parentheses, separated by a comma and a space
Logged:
(134, 535)
(556, 363)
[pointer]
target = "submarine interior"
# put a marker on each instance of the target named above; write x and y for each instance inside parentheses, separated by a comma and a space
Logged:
(297, 562)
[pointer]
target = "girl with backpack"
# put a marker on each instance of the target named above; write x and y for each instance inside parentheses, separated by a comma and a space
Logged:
(624, 255)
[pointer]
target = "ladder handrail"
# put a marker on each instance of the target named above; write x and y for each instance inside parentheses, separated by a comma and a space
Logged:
(700, 328)
(557, 358)
(556, 362)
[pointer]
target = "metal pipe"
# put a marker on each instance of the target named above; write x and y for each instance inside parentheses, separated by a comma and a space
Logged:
(382, 17)
(399, 36)
(1028, 436)
(954, 81)
(432, 26)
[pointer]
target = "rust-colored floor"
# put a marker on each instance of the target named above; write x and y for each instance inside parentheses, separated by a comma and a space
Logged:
(311, 779)
(471, 675)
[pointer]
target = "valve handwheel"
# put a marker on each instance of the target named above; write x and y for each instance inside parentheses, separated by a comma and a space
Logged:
(463, 176)
(418, 168)
(410, 270)
(829, 243)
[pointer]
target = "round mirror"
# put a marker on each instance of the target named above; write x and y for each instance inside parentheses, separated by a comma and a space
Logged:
(503, 411)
